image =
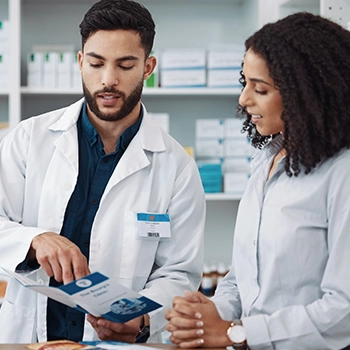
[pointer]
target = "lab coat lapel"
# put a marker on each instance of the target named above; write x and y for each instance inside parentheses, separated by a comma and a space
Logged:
(62, 171)
(140, 151)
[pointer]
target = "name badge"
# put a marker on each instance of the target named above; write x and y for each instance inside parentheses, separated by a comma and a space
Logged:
(153, 225)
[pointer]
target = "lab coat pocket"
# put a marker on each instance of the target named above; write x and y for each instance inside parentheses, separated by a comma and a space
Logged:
(138, 255)
(14, 318)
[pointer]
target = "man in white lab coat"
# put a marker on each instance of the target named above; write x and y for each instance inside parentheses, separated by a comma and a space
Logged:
(72, 182)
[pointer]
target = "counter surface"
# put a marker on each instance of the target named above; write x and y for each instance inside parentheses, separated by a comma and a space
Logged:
(159, 346)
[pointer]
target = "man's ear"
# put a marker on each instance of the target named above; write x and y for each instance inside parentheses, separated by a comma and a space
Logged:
(80, 59)
(150, 65)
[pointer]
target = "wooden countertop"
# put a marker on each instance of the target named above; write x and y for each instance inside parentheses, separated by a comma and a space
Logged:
(159, 346)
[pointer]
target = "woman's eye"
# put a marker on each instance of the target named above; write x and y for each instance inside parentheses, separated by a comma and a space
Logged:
(261, 92)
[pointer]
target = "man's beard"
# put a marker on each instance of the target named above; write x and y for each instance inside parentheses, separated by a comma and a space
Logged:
(129, 102)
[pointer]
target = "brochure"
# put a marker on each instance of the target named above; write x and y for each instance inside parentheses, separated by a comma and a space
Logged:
(95, 294)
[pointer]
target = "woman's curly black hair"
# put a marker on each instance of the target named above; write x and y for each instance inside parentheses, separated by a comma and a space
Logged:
(308, 58)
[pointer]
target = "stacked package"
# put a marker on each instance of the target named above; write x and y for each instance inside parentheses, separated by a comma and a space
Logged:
(53, 67)
(224, 66)
(4, 54)
(220, 144)
(209, 151)
(183, 68)
(237, 156)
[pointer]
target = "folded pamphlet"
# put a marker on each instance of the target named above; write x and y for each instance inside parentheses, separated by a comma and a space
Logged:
(95, 294)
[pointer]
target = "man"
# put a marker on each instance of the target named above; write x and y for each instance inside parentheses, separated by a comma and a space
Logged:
(72, 182)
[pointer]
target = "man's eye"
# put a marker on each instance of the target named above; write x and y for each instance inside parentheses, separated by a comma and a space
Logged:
(126, 67)
(95, 65)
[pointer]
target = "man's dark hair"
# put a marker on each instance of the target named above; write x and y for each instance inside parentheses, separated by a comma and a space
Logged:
(308, 58)
(119, 14)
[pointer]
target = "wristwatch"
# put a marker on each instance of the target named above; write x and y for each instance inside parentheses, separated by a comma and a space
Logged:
(144, 331)
(237, 335)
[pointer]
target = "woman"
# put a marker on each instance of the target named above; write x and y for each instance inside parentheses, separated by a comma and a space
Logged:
(289, 287)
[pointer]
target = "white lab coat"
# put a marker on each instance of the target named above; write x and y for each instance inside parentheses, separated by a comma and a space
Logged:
(38, 173)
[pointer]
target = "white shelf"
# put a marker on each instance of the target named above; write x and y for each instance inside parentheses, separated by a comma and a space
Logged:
(222, 197)
(192, 91)
(4, 92)
(25, 90)
(146, 91)
(297, 3)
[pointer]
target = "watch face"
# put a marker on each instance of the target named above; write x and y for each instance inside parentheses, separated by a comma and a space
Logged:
(237, 334)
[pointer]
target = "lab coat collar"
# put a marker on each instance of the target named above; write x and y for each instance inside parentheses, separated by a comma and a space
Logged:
(150, 133)
(69, 118)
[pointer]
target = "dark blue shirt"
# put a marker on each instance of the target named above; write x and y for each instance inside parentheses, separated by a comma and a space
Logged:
(95, 170)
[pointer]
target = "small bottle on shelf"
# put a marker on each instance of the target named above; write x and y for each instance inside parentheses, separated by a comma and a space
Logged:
(206, 286)
(222, 271)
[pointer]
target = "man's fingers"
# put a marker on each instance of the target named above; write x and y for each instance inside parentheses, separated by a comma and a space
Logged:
(47, 268)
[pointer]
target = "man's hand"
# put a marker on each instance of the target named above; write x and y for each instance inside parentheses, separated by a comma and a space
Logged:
(59, 257)
(194, 321)
(108, 330)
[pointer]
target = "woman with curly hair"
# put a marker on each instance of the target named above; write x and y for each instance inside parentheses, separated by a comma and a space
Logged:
(289, 286)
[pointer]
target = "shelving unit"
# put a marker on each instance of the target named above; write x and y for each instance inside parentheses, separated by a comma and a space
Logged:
(179, 24)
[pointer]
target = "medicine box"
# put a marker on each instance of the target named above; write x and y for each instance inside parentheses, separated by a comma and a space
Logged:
(50, 64)
(183, 59)
(225, 58)
(211, 176)
(64, 69)
(209, 148)
(183, 78)
(35, 73)
(237, 147)
(183, 68)
(224, 78)
(210, 128)
(4, 36)
(233, 127)
(4, 70)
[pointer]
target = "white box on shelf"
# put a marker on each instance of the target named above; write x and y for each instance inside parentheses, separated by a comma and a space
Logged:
(64, 69)
(183, 68)
(237, 147)
(178, 78)
(233, 127)
(4, 36)
(225, 58)
(235, 182)
(210, 128)
(35, 61)
(209, 148)
(183, 59)
(50, 69)
(224, 78)
(162, 119)
(4, 70)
